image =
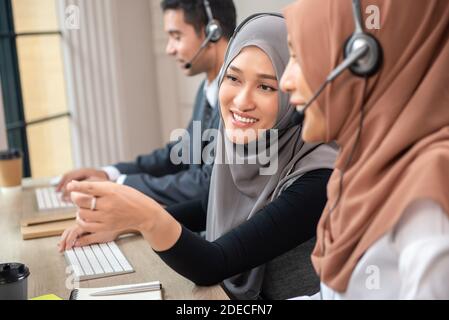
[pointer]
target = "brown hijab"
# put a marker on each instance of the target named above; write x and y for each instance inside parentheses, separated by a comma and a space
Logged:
(403, 153)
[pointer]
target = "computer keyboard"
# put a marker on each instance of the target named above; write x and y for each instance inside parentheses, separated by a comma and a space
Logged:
(49, 199)
(97, 261)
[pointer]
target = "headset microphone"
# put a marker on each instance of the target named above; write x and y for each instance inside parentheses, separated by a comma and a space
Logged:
(299, 115)
(363, 56)
(189, 64)
(213, 31)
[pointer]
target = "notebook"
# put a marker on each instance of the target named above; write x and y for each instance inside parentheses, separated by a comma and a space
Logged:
(86, 293)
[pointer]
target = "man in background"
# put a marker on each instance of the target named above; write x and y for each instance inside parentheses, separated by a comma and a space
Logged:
(199, 48)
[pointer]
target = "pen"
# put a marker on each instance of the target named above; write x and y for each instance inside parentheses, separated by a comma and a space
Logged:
(152, 286)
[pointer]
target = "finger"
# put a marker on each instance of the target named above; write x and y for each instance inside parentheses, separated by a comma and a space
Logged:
(90, 227)
(66, 194)
(61, 183)
(96, 189)
(88, 239)
(88, 215)
(81, 200)
(62, 241)
(71, 238)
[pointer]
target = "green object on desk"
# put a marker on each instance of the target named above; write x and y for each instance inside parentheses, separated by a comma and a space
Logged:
(48, 297)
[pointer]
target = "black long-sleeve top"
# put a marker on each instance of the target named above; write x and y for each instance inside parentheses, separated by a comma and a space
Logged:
(282, 225)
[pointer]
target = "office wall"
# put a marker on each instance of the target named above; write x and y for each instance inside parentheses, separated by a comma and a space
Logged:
(137, 66)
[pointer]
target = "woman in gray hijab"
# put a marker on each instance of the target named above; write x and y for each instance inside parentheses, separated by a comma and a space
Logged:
(267, 192)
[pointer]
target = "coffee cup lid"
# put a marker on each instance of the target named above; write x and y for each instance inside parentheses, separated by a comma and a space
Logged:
(13, 272)
(10, 154)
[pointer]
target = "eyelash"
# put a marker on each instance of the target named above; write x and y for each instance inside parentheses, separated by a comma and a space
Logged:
(264, 87)
(231, 78)
(268, 88)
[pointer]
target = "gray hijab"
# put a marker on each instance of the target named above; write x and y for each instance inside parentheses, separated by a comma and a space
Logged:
(238, 191)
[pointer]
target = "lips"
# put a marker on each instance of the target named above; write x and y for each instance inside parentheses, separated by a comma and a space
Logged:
(242, 119)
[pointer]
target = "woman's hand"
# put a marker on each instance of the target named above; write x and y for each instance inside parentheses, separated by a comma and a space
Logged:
(80, 175)
(117, 207)
(75, 237)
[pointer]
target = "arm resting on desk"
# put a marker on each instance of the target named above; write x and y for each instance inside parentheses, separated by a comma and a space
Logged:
(274, 230)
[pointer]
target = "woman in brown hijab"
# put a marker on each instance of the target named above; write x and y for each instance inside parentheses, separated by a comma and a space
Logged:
(384, 233)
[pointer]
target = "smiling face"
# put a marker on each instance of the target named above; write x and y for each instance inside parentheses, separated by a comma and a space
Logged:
(293, 82)
(248, 95)
(184, 42)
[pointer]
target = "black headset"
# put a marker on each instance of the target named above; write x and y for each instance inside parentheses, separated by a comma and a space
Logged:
(213, 31)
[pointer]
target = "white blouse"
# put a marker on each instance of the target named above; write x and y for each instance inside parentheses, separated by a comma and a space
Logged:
(409, 262)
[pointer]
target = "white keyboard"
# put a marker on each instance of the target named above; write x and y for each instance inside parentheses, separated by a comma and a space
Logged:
(49, 199)
(97, 261)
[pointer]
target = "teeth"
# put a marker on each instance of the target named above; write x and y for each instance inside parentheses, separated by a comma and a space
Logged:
(245, 120)
(300, 107)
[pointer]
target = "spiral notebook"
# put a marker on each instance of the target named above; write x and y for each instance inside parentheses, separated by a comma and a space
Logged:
(151, 291)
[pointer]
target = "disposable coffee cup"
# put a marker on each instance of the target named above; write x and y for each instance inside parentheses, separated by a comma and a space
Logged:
(10, 169)
(14, 281)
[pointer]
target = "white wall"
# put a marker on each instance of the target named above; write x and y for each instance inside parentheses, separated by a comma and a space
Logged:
(137, 67)
(246, 7)
(3, 139)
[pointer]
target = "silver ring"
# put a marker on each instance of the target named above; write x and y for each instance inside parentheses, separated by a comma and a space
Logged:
(93, 203)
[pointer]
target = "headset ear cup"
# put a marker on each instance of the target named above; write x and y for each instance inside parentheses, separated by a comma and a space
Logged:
(372, 62)
(214, 29)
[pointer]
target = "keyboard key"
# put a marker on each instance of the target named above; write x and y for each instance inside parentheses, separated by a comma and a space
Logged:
(120, 257)
(84, 262)
(73, 261)
(53, 199)
(40, 198)
(111, 258)
(93, 260)
(47, 200)
(102, 259)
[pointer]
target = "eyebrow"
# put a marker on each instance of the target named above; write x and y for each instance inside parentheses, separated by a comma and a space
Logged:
(174, 32)
(259, 75)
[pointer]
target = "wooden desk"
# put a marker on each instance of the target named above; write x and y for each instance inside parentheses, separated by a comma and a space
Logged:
(48, 266)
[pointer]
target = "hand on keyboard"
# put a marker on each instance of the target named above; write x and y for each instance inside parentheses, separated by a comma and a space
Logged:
(74, 237)
(80, 175)
(49, 199)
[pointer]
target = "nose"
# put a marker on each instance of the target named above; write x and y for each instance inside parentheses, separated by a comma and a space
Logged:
(170, 48)
(244, 101)
(287, 81)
